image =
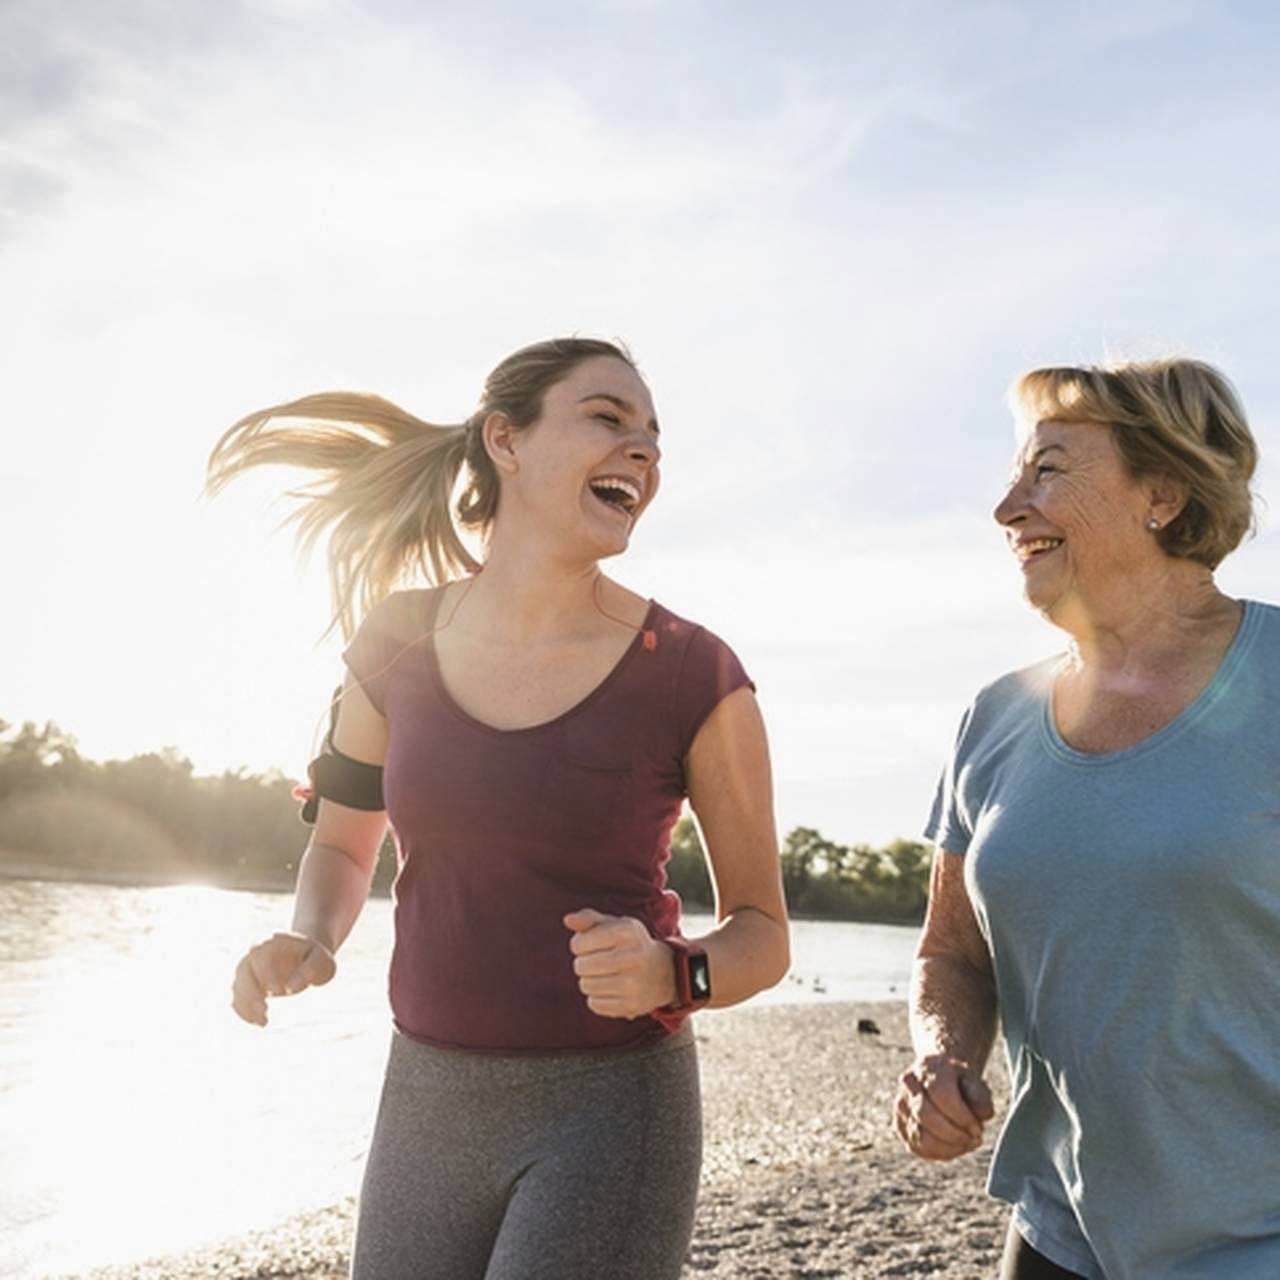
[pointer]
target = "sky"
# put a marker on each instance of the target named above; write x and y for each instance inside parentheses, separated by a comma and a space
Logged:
(832, 234)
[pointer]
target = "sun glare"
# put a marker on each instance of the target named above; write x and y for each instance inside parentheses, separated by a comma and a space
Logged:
(153, 1117)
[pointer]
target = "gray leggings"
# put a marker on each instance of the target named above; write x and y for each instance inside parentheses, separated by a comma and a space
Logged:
(503, 1168)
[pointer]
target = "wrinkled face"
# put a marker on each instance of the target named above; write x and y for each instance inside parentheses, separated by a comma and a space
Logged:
(1076, 519)
(588, 467)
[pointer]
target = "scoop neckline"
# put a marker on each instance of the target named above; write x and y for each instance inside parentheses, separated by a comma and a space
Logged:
(460, 712)
(1190, 715)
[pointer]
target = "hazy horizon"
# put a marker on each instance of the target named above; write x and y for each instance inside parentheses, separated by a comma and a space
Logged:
(832, 236)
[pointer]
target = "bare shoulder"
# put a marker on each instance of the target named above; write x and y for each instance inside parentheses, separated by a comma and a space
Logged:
(403, 615)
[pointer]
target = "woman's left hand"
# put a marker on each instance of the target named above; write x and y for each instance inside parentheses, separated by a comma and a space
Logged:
(623, 971)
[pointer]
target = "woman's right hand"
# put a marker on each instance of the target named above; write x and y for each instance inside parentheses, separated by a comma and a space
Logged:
(941, 1108)
(283, 965)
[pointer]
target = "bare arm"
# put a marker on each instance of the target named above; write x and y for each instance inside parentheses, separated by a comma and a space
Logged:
(731, 791)
(953, 997)
(622, 970)
(333, 880)
(337, 867)
(942, 1101)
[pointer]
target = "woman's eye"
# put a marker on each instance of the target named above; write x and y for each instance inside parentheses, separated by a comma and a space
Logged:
(1044, 469)
(612, 419)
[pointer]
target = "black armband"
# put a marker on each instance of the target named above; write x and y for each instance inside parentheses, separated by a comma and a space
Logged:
(337, 777)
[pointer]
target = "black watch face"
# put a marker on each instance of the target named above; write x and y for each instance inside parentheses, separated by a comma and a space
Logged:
(699, 978)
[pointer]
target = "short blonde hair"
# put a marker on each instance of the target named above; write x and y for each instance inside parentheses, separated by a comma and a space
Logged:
(1178, 418)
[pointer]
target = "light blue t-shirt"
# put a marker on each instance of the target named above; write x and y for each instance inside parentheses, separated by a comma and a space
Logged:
(1131, 903)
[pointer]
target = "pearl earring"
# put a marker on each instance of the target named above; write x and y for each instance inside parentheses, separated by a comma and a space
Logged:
(1153, 524)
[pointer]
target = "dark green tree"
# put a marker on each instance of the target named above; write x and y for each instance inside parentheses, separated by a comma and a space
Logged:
(687, 871)
(153, 818)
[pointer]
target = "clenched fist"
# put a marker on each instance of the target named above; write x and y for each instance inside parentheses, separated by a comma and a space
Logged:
(283, 965)
(941, 1108)
(622, 969)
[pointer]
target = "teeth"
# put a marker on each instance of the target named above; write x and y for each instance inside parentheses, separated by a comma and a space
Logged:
(1028, 549)
(628, 490)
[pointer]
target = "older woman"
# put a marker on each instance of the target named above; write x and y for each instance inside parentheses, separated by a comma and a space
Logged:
(1107, 877)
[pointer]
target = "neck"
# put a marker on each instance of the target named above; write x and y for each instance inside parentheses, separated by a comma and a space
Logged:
(526, 596)
(1149, 622)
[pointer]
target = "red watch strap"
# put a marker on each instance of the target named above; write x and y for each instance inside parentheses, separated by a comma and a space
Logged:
(668, 1020)
(672, 1016)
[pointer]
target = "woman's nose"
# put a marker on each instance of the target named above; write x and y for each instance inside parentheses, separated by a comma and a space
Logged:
(644, 450)
(1012, 506)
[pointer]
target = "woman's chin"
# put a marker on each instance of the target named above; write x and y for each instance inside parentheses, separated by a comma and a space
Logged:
(593, 548)
(610, 541)
(1048, 603)
(615, 548)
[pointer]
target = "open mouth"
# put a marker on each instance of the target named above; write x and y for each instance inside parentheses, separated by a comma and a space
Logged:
(616, 493)
(1036, 548)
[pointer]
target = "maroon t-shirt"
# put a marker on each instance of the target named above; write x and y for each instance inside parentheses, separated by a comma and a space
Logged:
(502, 832)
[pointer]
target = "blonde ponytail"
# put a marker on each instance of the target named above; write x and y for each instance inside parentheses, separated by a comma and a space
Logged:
(383, 493)
(386, 479)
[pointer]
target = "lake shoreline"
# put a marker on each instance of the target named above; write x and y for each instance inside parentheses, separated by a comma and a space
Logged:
(802, 1173)
(22, 867)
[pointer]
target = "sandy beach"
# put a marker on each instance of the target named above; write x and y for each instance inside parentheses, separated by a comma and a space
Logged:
(803, 1176)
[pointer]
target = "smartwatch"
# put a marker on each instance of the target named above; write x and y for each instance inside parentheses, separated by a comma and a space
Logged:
(693, 976)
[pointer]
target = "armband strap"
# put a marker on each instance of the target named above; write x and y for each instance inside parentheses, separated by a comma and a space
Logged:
(337, 777)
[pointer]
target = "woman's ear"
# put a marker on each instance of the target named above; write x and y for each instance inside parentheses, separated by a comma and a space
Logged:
(1167, 496)
(499, 436)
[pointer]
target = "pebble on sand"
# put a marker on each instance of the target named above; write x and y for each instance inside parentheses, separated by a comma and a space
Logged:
(802, 1176)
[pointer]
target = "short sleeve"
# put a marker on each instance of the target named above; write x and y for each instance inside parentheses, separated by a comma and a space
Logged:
(377, 645)
(709, 673)
(949, 826)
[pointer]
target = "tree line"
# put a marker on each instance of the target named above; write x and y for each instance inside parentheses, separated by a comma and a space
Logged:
(151, 818)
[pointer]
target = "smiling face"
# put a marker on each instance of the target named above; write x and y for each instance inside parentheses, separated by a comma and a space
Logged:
(584, 472)
(1078, 521)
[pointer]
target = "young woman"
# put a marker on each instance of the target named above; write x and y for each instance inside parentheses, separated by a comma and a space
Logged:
(535, 728)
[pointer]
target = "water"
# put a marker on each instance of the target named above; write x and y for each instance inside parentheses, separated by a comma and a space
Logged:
(138, 1116)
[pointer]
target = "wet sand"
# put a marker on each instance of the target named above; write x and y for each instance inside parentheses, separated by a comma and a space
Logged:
(803, 1176)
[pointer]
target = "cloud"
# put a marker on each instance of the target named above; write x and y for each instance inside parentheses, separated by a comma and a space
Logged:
(831, 235)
